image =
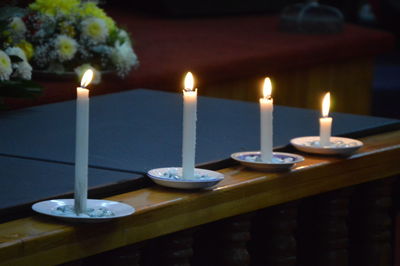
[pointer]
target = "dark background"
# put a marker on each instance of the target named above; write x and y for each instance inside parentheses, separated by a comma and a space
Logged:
(381, 14)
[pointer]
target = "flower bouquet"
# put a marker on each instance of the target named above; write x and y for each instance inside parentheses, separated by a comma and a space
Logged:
(15, 70)
(70, 36)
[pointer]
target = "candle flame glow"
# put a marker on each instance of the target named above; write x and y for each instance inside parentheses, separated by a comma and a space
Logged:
(267, 89)
(189, 82)
(326, 102)
(87, 78)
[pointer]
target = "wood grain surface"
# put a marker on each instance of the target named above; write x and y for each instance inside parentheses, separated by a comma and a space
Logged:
(39, 240)
(304, 87)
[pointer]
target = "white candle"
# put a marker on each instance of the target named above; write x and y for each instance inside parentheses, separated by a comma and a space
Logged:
(189, 127)
(325, 122)
(266, 110)
(82, 144)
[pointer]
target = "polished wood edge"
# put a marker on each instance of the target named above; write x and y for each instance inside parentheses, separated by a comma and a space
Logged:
(162, 211)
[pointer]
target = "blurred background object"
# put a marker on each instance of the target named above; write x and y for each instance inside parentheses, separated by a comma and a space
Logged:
(311, 17)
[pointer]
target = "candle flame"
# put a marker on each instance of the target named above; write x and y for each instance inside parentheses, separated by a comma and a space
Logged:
(189, 82)
(87, 78)
(326, 102)
(267, 89)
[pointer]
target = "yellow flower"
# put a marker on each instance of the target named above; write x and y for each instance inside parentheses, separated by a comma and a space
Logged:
(27, 48)
(51, 7)
(90, 9)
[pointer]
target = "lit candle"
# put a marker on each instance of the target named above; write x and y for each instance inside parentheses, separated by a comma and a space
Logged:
(189, 127)
(266, 109)
(325, 122)
(82, 143)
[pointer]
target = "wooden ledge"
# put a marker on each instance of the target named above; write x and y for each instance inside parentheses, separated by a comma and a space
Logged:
(39, 240)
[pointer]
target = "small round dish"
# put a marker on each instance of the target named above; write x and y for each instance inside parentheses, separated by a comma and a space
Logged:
(338, 145)
(281, 161)
(172, 177)
(53, 208)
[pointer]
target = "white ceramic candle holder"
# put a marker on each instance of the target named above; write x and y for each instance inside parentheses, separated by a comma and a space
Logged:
(97, 210)
(336, 145)
(281, 161)
(172, 177)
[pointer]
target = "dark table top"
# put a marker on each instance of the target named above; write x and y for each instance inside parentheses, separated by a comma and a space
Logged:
(26, 181)
(135, 131)
(142, 129)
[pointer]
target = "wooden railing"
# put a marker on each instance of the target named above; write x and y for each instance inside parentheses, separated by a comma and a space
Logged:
(326, 211)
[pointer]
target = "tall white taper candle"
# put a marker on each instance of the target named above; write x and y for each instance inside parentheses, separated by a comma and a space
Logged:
(189, 127)
(266, 110)
(82, 144)
(325, 122)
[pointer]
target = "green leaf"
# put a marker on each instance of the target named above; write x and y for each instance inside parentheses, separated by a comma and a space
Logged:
(4, 24)
(15, 58)
(20, 89)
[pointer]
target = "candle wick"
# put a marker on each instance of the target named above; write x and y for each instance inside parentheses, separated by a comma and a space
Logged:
(268, 97)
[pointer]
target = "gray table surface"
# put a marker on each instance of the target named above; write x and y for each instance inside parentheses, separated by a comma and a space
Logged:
(25, 181)
(134, 131)
(141, 129)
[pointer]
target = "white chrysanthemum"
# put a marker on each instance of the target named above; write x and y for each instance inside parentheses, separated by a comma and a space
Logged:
(17, 52)
(5, 66)
(123, 57)
(94, 29)
(23, 70)
(18, 26)
(80, 70)
(66, 47)
(123, 34)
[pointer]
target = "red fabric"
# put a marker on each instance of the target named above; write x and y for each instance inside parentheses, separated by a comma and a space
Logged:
(219, 49)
